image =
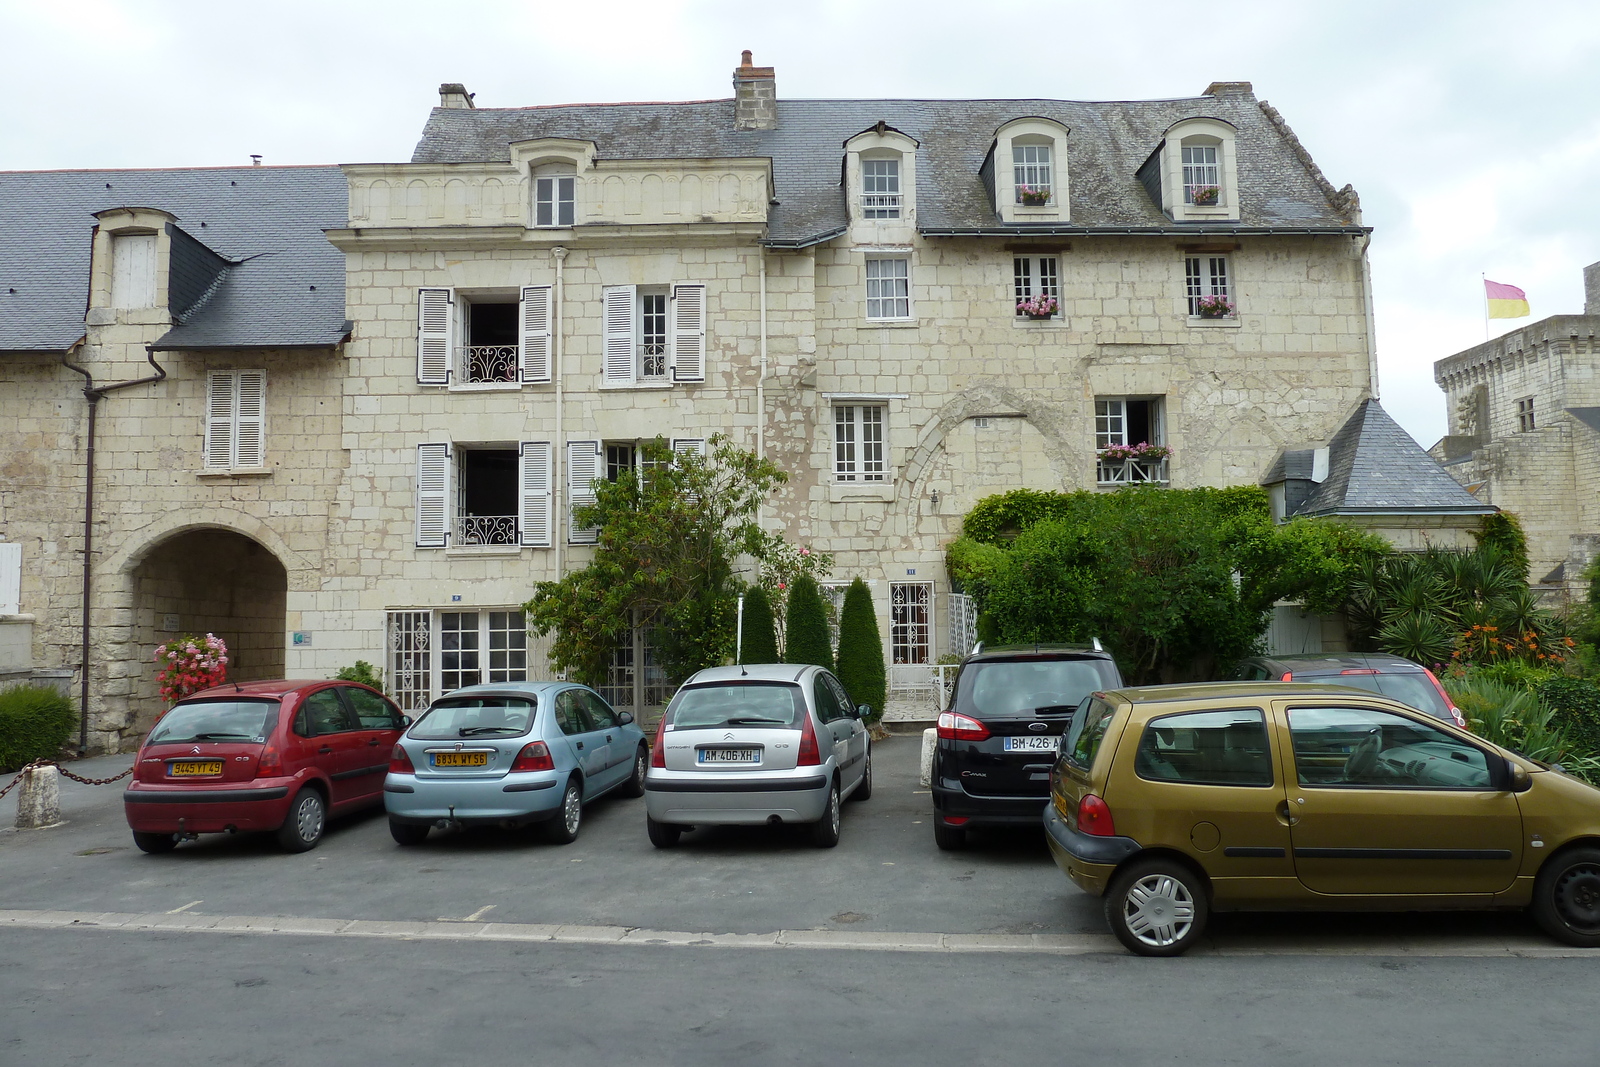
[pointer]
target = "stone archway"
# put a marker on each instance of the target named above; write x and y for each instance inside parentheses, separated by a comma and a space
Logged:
(209, 580)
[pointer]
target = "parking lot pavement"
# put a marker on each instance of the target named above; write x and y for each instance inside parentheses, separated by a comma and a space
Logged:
(886, 877)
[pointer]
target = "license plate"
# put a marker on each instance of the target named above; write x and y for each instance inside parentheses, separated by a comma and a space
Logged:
(1033, 744)
(730, 755)
(460, 759)
(188, 768)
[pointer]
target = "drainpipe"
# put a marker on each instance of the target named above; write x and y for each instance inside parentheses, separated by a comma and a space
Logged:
(761, 377)
(1372, 330)
(558, 536)
(92, 393)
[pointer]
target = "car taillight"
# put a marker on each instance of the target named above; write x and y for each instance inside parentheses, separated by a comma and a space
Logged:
(810, 755)
(953, 727)
(658, 751)
(1455, 712)
(1094, 817)
(399, 762)
(535, 756)
(1288, 676)
(1362, 670)
(270, 762)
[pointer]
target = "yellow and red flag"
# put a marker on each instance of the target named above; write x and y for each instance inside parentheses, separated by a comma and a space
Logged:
(1505, 301)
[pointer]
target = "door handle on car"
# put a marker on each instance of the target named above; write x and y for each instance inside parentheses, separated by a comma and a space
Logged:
(1286, 815)
(372, 743)
(578, 744)
(324, 750)
(608, 737)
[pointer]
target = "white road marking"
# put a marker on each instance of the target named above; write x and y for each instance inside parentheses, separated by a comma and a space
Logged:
(186, 907)
(480, 913)
(1513, 947)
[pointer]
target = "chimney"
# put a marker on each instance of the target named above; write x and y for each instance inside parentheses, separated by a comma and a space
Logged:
(1229, 89)
(455, 95)
(1591, 289)
(755, 96)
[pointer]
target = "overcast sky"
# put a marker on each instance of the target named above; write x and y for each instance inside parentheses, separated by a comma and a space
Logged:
(1470, 129)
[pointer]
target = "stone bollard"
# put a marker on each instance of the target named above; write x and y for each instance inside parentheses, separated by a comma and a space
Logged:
(929, 739)
(39, 799)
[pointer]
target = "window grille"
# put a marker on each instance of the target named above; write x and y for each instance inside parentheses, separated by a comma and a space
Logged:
(410, 659)
(880, 188)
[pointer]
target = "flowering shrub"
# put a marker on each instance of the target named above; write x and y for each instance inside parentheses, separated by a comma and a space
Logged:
(780, 563)
(1038, 305)
(1035, 195)
(1215, 306)
(1204, 194)
(189, 665)
(1143, 450)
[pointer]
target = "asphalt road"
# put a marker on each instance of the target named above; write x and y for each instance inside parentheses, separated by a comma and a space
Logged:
(498, 948)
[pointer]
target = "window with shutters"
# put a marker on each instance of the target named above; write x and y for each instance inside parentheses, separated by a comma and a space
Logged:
(860, 451)
(888, 288)
(236, 403)
(654, 335)
(484, 340)
(484, 495)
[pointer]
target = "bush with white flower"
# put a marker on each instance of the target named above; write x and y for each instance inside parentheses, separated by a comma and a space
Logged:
(189, 665)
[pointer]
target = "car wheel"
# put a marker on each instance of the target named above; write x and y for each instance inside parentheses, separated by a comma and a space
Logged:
(634, 787)
(155, 844)
(308, 816)
(662, 834)
(1566, 897)
(1157, 908)
(825, 831)
(948, 838)
(863, 791)
(563, 829)
(405, 833)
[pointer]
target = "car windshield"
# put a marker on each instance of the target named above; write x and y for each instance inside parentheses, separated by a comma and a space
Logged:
(1088, 729)
(1410, 688)
(772, 704)
(487, 716)
(991, 689)
(249, 721)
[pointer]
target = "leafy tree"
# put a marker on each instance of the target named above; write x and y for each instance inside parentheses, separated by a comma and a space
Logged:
(861, 666)
(668, 538)
(760, 635)
(1502, 533)
(807, 640)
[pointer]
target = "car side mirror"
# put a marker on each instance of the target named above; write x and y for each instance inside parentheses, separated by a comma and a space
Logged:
(863, 710)
(405, 721)
(624, 717)
(1518, 780)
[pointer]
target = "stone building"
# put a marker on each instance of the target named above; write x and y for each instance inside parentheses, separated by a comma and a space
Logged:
(1524, 413)
(833, 283)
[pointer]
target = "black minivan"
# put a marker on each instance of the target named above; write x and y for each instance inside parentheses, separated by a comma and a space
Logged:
(998, 739)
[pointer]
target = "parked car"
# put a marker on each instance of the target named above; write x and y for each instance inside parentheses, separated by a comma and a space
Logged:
(998, 739)
(757, 743)
(510, 754)
(280, 756)
(1173, 802)
(1393, 676)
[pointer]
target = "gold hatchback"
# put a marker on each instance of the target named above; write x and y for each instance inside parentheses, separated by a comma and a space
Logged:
(1175, 801)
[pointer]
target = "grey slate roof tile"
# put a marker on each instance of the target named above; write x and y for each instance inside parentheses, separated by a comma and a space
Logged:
(266, 222)
(1375, 467)
(1107, 144)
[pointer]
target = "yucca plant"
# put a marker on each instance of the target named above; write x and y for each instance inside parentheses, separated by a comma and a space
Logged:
(1418, 636)
(1509, 716)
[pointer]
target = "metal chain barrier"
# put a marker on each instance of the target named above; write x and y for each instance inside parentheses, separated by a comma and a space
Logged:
(64, 773)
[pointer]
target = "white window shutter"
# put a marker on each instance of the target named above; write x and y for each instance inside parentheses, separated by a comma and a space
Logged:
(697, 445)
(219, 420)
(583, 467)
(689, 333)
(434, 319)
(433, 496)
(534, 487)
(620, 301)
(250, 414)
(536, 333)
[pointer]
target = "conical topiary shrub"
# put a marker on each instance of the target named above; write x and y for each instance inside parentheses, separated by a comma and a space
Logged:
(861, 666)
(760, 643)
(806, 625)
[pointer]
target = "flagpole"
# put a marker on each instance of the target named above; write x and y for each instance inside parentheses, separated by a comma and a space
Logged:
(1484, 278)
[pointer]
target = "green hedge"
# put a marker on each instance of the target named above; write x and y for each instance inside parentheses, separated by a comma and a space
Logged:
(35, 721)
(1576, 703)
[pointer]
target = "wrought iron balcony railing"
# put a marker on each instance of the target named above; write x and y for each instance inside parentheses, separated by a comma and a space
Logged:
(486, 530)
(485, 364)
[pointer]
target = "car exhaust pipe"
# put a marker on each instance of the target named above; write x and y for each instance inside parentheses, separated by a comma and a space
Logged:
(774, 820)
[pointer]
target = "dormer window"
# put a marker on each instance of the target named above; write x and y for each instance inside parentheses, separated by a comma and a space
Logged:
(880, 188)
(1193, 174)
(1030, 165)
(1201, 184)
(554, 200)
(133, 270)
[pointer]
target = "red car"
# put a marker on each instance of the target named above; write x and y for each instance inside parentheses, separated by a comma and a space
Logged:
(278, 756)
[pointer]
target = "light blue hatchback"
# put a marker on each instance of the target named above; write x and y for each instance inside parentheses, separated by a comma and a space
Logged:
(509, 754)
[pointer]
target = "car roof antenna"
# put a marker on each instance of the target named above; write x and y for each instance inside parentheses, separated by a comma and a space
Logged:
(1095, 644)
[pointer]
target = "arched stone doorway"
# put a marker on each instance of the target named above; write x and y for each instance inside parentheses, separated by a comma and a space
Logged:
(210, 581)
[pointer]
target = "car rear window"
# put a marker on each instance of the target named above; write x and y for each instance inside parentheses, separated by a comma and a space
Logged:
(1088, 729)
(1023, 687)
(475, 717)
(736, 704)
(1410, 688)
(217, 720)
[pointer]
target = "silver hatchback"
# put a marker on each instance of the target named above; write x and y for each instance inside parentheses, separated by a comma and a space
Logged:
(753, 744)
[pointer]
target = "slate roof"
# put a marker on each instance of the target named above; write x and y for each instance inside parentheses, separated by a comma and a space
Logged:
(1296, 464)
(1590, 417)
(1279, 187)
(262, 226)
(1374, 467)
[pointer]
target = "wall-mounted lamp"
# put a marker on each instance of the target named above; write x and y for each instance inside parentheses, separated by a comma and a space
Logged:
(934, 496)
